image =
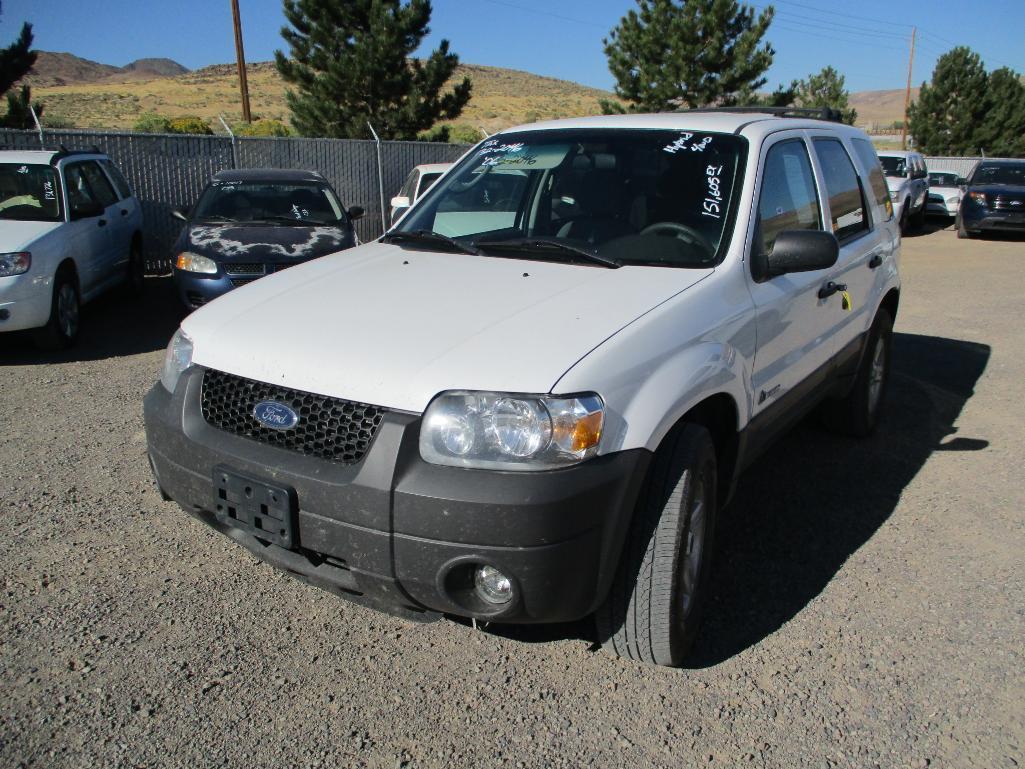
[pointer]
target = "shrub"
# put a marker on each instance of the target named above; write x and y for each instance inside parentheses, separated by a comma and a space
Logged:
(188, 124)
(263, 128)
(151, 123)
(465, 134)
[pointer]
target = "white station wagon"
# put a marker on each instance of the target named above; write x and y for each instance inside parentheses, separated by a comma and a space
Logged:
(70, 229)
(531, 398)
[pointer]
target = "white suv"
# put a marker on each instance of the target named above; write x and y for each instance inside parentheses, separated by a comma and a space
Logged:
(908, 180)
(70, 229)
(529, 400)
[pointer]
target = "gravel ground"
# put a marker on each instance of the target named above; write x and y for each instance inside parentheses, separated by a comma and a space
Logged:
(869, 607)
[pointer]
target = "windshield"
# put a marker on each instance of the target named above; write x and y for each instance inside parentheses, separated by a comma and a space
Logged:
(1000, 174)
(630, 196)
(894, 166)
(271, 201)
(29, 193)
(942, 179)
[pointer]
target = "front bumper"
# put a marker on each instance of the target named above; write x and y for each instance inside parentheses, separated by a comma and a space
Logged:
(402, 535)
(24, 301)
(980, 220)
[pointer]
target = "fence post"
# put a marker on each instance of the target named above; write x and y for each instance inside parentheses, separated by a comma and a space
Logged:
(234, 148)
(35, 118)
(380, 177)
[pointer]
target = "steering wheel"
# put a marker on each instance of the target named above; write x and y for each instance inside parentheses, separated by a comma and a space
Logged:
(681, 231)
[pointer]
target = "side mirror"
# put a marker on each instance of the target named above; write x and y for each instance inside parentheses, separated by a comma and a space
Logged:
(356, 212)
(800, 251)
(400, 201)
(86, 211)
(962, 182)
(177, 213)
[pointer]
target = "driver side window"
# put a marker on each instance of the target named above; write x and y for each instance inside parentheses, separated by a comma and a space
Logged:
(788, 199)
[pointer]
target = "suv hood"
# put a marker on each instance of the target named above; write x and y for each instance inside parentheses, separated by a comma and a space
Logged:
(264, 242)
(394, 327)
(16, 235)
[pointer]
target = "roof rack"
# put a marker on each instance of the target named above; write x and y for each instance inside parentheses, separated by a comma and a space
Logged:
(812, 113)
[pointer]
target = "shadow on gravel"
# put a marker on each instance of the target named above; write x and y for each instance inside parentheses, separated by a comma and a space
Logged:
(112, 326)
(806, 506)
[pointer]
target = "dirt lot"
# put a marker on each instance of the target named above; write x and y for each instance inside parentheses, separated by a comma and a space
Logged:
(869, 607)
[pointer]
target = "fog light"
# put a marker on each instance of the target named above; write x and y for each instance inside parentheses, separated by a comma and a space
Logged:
(492, 585)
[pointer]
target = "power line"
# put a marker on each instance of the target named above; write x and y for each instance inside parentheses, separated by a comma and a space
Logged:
(853, 41)
(831, 27)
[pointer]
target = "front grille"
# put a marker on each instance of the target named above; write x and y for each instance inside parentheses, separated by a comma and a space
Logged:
(1002, 203)
(243, 268)
(329, 428)
(236, 282)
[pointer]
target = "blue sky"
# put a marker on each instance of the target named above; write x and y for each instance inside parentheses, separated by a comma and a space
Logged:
(867, 40)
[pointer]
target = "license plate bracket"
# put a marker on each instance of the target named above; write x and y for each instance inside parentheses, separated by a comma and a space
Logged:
(265, 510)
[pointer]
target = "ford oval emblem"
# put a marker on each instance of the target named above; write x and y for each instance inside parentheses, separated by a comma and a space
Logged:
(276, 416)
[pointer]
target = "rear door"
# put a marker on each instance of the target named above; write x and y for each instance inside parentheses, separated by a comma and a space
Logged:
(119, 226)
(794, 344)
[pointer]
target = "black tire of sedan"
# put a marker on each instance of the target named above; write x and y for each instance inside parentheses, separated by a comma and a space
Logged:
(653, 609)
(904, 218)
(61, 330)
(857, 414)
(918, 218)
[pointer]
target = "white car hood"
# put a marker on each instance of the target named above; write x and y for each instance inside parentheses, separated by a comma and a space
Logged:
(19, 236)
(394, 327)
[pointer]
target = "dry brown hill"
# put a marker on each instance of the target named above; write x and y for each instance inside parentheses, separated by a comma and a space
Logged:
(54, 69)
(86, 94)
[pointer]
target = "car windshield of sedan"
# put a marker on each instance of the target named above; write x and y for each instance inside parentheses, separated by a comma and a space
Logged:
(1000, 174)
(268, 201)
(893, 166)
(29, 192)
(614, 196)
(942, 179)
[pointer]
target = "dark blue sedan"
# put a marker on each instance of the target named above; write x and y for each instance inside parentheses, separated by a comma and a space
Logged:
(253, 222)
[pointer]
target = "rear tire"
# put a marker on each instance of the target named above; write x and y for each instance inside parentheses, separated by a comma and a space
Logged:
(653, 609)
(857, 413)
(61, 329)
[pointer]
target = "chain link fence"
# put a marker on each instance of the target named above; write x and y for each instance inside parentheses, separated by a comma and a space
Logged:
(168, 171)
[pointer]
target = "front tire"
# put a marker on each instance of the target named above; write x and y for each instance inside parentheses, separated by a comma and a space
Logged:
(904, 218)
(857, 413)
(653, 609)
(136, 282)
(963, 233)
(61, 329)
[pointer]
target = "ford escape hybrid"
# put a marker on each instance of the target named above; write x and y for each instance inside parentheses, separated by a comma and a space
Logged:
(529, 400)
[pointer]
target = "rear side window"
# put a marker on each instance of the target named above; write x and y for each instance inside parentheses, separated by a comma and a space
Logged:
(876, 180)
(788, 200)
(120, 183)
(846, 201)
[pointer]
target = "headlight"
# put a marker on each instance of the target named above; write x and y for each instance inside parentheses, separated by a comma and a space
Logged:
(15, 264)
(510, 432)
(978, 197)
(176, 360)
(191, 262)
(953, 201)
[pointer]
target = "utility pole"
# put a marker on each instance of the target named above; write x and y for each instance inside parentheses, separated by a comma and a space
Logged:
(907, 93)
(240, 54)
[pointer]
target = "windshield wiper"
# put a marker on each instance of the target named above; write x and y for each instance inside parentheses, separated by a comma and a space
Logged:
(427, 236)
(550, 244)
(216, 220)
(291, 220)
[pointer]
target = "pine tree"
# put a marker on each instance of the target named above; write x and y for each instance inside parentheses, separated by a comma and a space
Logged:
(16, 60)
(668, 54)
(1003, 132)
(350, 63)
(949, 114)
(826, 89)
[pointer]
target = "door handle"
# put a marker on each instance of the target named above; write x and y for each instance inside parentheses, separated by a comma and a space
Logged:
(831, 288)
(124, 212)
(101, 223)
(875, 261)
